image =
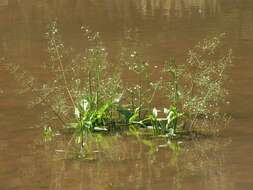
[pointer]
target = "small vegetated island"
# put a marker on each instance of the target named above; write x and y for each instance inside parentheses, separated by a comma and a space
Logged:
(85, 98)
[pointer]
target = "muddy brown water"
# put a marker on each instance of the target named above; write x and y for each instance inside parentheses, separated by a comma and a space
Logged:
(162, 28)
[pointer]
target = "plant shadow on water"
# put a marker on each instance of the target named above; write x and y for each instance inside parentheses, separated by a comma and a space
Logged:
(86, 101)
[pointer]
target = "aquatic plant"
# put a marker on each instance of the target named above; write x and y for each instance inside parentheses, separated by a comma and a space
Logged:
(82, 91)
(86, 95)
(140, 92)
(197, 87)
(195, 90)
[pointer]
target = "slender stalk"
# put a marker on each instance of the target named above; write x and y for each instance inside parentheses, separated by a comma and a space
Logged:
(63, 73)
(97, 85)
(140, 99)
(90, 84)
(132, 101)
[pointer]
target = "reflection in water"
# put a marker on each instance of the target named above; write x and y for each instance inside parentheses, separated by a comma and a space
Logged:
(23, 22)
(168, 7)
(199, 163)
(205, 159)
(127, 9)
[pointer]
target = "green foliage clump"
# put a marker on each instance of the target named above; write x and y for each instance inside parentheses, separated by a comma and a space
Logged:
(87, 95)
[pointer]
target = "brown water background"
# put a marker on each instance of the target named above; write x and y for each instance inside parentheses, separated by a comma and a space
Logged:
(162, 28)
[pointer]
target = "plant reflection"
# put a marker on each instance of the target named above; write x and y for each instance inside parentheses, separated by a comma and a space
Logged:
(129, 165)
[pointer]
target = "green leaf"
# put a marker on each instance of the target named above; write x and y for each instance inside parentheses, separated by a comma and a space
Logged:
(125, 112)
(135, 115)
(100, 129)
(48, 133)
(84, 104)
(105, 107)
(166, 111)
(155, 112)
(77, 112)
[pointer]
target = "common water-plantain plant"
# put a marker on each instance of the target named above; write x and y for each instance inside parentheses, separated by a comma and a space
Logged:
(90, 118)
(86, 94)
(82, 91)
(168, 124)
(197, 87)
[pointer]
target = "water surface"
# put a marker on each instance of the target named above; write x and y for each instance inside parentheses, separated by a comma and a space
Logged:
(162, 28)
